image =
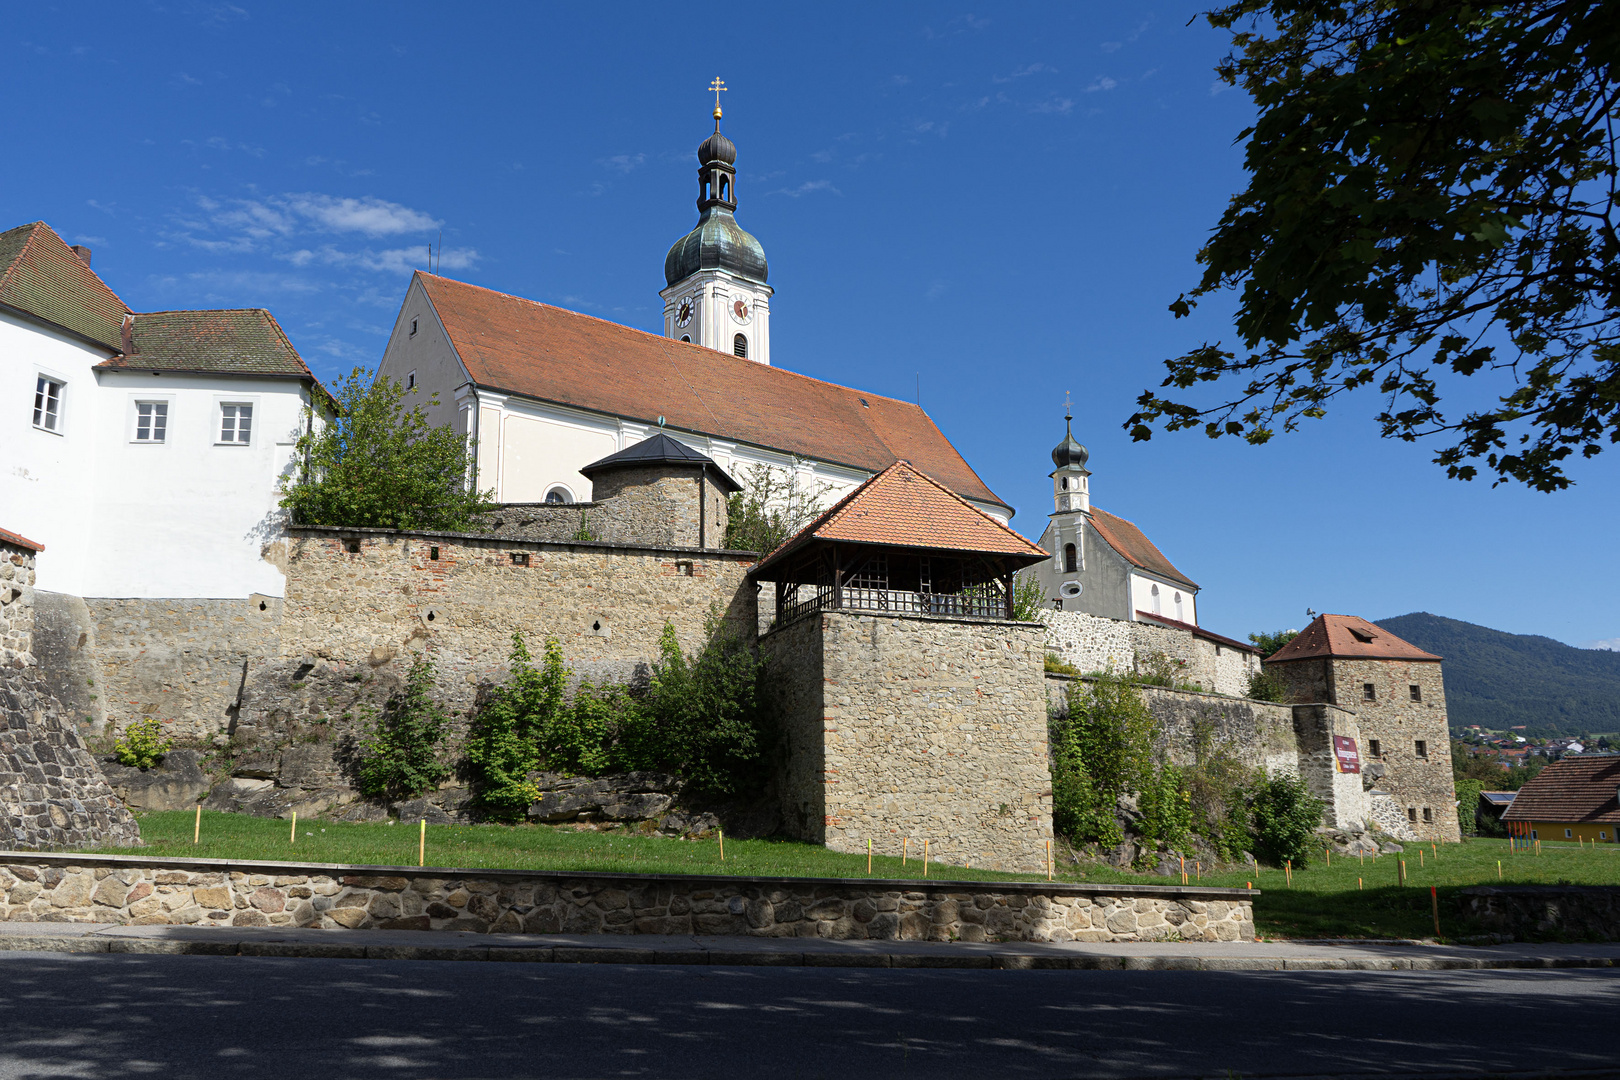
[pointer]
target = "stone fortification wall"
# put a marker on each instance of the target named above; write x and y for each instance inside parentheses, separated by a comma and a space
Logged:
(1260, 734)
(1315, 726)
(114, 661)
(932, 729)
(1583, 912)
(1094, 643)
(644, 506)
(1421, 783)
(51, 792)
(131, 890)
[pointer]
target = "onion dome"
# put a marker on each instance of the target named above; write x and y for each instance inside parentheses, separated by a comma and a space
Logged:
(717, 148)
(1069, 451)
(718, 242)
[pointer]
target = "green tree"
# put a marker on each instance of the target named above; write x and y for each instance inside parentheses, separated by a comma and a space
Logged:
(1268, 642)
(399, 752)
(774, 504)
(1285, 816)
(706, 713)
(1029, 598)
(1431, 194)
(381, 465)
(505, 738)
(1101, 749)
(1468, 804)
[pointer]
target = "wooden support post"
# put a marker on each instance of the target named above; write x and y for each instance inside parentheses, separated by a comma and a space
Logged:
(196, 832)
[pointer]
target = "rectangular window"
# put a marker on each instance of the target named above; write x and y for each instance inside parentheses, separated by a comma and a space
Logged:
(1416, 691)
(48, 405)
(236, 424)
(1428, 814)
(413, 328)
(1420, 747)
(1373, 748)
(433, 553)
(1411, 814)
(1568, 834)
(520, 558)
(410, 381)
(151, 421)
(1368, 693)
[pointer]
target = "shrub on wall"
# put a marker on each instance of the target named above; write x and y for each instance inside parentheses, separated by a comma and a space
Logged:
(1029, 598)
(774, 504)
(705, 715)
(1286, 815)
(1220, 788)
(1468, 804)
(1101, 750)
(143, 745)
(504, 743)
(399, 752)
(1264, 686)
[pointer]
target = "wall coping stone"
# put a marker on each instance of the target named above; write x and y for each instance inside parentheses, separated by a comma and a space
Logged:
(853, 613)
(1052, 888)
(513, 541)
(1058, 676)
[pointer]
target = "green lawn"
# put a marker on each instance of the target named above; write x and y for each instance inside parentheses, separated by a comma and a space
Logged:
(1349, 898)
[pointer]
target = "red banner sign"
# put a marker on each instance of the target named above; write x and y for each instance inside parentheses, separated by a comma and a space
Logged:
(1345, 755)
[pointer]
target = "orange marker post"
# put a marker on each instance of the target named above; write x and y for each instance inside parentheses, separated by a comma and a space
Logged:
(721, 833)
(1434, 902)
(1359, 885)
(1049, 860)
(905, 850)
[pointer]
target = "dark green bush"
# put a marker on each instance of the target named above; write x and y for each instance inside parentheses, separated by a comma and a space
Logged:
(1468, 804)
(399, 752)
(1264, 686)
(504, 742)
(1285, 816)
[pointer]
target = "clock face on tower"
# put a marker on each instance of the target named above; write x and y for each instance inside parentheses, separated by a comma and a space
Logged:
(684, 314)
(740, 310)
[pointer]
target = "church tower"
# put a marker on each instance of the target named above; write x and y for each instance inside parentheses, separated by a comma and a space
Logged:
(716, 294)
(1071, 499)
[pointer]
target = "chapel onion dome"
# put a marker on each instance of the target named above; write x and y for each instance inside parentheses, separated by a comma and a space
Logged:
(1069, 451)
(718, 242)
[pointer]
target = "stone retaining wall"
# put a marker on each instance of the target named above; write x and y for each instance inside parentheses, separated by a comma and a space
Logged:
(1543, 911)
(133, 890)
(1095, 643)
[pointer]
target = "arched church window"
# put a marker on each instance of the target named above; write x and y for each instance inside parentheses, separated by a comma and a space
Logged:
(1155, 600)
(686, 338)
(725, 188)
(1065, 483)
(739, 345)
(1070, 562)
(1178, 608)
(559, 495)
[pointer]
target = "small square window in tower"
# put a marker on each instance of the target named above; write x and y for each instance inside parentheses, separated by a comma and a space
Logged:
(1420, 748)
(1373, 749)
(1416, 691)
(1411, 814)
(1369, 692)
(1428, 814)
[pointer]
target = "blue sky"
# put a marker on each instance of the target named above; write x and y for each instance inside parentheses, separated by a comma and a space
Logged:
(1000, 200)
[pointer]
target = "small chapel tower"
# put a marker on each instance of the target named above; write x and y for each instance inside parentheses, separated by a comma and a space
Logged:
(1071, 499)
(716, 295)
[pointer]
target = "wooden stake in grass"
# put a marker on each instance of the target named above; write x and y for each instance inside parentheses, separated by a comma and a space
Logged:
(1402, 880)
(1198, 871)
(1288, 871)
(1434, 902)
(421, 844)
(869, 858)
(1049, 860)
(1184, 869)
(293, 839)
(196, 832)
(925, 858)
(1498, 869)
(721, 833)
(905, 850)
(1327, 855)
(1359, 885)
(1420, 858)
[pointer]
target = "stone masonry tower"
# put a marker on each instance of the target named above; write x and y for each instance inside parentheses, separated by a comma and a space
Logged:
(716, 295)
(1398, 696)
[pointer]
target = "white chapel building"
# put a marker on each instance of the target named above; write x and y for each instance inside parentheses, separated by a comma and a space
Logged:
(546, 391)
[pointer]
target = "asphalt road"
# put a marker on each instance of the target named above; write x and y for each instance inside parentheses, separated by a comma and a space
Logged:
(234, 1018)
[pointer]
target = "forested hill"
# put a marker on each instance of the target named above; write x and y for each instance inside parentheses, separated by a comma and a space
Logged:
(1498, 680)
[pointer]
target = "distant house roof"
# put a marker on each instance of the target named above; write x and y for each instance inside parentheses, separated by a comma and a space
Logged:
(904, 507)
(230, 341)
(1498, 798)
(41, 275)
(1574, 789)
(660, 449)
(1136, 548)
(551, 354)
(1348, 636)
(17, 540)
(1197, 631)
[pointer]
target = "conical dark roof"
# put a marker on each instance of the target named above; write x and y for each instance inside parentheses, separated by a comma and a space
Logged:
(1069, 451)
(660, 449)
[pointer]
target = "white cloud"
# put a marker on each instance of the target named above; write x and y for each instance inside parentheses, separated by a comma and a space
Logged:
(1103, 82)
(1611, 644)
(808, 187)
(1060, 106)
(368, 214)
(625, 163)
(1024, 72)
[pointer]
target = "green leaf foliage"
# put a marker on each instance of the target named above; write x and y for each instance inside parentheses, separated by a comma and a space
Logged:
(1100, 750)
(379, 464)
(1285, 816)
(1468, 804)
(504, 742)
(1431, 195)
(1029, 598)
(143, 744)
(399, 752)
(1268, 642)
(774, 504)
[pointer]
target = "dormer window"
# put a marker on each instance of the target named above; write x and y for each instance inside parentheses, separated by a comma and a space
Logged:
(1363, 636)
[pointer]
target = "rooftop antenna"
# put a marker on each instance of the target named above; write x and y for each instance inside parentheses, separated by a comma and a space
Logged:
(441, 249)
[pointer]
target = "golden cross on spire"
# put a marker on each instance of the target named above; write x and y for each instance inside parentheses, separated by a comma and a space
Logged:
(717, 86)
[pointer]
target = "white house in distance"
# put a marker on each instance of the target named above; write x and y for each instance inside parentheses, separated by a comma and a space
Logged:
(545, 391)
(142, 450)
(1102, 564)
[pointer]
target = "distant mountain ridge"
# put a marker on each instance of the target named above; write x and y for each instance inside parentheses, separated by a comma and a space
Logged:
(1499, 680)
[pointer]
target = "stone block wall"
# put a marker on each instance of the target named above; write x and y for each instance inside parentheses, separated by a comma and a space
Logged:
(1095, 643)
(131, 890)
(644, 506)
(931, 729)
(1544, 911)
(1347, 804)
(52, 794)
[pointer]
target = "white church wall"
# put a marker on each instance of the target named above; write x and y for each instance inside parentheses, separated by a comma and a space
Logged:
(1143, 598)
(544, 448)
(1095, 643)
(46, 476)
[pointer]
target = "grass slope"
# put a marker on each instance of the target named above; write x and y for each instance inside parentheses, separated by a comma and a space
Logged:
(1347, 898)
(1499, 680)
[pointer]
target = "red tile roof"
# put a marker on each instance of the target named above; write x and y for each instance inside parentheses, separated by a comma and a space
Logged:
(551, 354)
(1574, 789)
(231, 341)
(904, 507)
(41, 275)
(1136, 548)
(9, 537)
(1197, 631)
(1348, 636)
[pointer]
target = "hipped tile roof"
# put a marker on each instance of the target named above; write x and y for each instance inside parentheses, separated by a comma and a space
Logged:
(1570, 790)
(19, 540)
(551, 354)
(41, 275)
(904, 507)
(1350, 637)
(231, 341)
(1137, 549)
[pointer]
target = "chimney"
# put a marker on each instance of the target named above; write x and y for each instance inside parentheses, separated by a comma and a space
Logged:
(83, 253)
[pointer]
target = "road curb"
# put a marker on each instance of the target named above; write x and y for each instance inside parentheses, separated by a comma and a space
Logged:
(1007, 960)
